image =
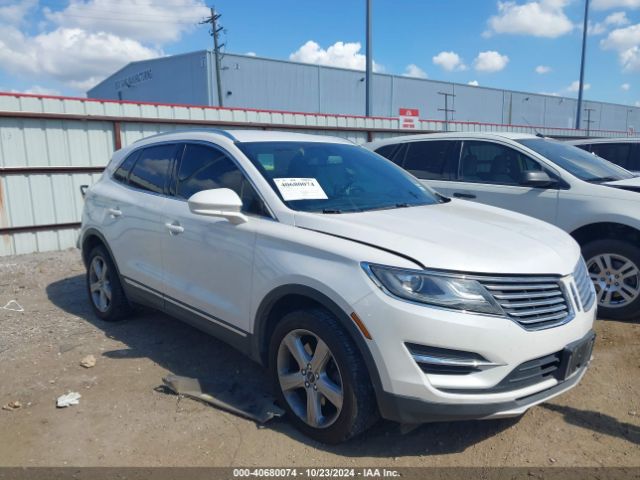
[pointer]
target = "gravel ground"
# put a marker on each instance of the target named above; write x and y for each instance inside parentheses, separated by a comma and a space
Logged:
(125, 419)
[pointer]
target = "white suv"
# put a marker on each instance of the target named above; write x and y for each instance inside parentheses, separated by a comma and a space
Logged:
(597, 202)
(364, 292)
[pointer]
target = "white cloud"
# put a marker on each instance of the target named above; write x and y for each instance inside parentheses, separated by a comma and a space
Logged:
(14, 13)
(625, 87)
(575, 86)
(449, 61)
(626, 41)
(79, 45)
(340, 54)
(250, 54)
(542, 69)
(608, 4)
(543, 18)
(415, 71)
(490, 61)
(616, 19)
(156, 21)
(637, 104)
(71, 56)
(473, 83)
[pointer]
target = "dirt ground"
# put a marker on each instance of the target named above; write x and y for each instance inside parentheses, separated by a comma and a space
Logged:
(124, 419)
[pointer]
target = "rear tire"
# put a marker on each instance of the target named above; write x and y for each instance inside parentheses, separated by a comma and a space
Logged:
(104, 288)
(301, 380)
(614, 268)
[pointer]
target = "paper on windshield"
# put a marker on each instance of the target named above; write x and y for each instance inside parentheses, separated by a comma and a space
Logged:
(300, 189)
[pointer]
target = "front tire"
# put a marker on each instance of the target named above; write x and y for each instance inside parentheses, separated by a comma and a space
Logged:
(106, 295)
(320, 378)
(614, 268)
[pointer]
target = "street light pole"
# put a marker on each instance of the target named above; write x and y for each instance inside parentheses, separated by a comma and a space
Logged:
(582, 61)
(369, 67)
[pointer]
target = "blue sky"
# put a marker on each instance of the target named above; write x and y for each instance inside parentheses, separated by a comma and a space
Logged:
(64, 46)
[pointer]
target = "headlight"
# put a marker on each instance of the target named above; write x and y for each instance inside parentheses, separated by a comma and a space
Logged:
(442, 290)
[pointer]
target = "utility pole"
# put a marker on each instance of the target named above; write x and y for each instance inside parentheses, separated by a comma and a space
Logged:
(588, 121)
(582, 61)
(369, 67)
(446, 109)
(215, 33)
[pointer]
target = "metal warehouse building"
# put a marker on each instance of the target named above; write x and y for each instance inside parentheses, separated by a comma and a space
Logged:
(260, 83)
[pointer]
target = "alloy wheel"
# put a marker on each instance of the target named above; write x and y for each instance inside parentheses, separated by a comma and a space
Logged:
(616, 278)
(99, 284)
(310, 378)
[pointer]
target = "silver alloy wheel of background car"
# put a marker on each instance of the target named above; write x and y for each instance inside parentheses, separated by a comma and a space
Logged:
(99, 283)
(310, 378)
(616, 278)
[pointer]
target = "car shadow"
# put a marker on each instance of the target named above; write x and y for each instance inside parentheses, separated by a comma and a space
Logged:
(186, 351)
(597, 422)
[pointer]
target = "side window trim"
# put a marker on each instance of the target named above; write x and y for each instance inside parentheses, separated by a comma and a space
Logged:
(400, 155)
(453, 162)
(269, 214)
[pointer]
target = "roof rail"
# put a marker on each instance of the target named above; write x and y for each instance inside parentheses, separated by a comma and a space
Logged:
(217, 131)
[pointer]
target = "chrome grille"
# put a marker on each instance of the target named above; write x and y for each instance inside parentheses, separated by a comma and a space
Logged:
(586, 291)
(535, 303)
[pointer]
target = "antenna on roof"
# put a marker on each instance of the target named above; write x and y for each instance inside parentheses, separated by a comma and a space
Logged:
(538, 134)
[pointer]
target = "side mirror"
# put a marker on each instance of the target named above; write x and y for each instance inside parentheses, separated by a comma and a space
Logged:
(218, 202)
(537, 178)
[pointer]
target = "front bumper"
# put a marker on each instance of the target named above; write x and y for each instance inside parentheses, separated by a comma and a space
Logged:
(414, 410)
(409, 394)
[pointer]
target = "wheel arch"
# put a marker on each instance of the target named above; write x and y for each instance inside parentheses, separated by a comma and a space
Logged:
(291, 297)
(90, 239)
(603, 230)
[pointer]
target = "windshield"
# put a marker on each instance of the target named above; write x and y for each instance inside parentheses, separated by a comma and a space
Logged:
(335, 178)
(584, 165)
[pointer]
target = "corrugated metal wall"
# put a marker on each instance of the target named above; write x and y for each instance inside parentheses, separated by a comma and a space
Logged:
(49, 146)
(282, 85)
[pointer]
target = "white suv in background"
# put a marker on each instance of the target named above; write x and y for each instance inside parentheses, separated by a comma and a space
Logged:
(597, 202)
(364, 292)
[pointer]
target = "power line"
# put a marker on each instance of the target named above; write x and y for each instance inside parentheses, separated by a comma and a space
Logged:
(136, 20)
(215, 33)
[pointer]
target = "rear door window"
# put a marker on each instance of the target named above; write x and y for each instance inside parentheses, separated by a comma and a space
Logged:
(617, 153)
(388, 151)
(150, 172)
(634, 159)
(431, 160)
(122, 172)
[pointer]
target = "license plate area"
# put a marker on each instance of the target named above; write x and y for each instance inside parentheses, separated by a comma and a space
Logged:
(575, 356)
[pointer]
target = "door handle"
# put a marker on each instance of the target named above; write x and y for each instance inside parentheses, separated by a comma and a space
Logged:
(114, 212)
(174, 228)
(463, 195)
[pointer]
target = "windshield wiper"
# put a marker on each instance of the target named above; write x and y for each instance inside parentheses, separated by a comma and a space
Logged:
(331, 210)
(602, 179)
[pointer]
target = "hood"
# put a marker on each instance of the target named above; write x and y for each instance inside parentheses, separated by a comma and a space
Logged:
(457, 235)
(631, 184)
